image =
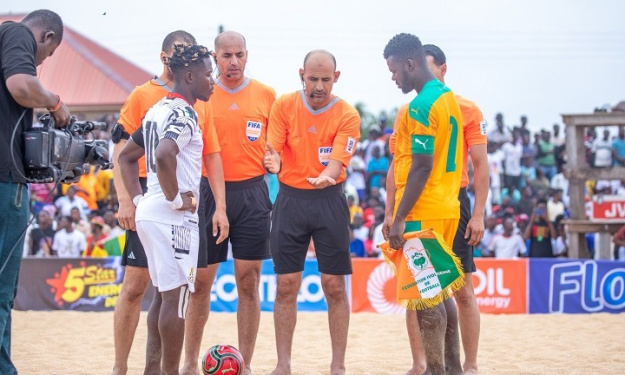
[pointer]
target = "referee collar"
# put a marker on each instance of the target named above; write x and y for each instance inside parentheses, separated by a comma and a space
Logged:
(320, 110)
(235, 90)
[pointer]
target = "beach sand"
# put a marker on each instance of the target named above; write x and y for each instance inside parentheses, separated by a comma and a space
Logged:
(61, 342)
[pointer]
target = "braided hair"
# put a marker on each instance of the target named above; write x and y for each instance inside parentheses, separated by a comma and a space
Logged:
(187, 57)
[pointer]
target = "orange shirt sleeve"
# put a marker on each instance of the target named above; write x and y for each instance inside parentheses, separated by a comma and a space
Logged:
(346, 138)
(132, 112)
(277, 132)
(474, 127)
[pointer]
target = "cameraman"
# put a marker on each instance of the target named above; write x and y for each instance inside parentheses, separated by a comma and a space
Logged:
(23, 46)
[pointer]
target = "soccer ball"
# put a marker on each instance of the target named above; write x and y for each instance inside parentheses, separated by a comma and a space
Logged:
(223, 359)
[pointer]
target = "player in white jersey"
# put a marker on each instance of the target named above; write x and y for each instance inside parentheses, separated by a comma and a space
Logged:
(166, 217)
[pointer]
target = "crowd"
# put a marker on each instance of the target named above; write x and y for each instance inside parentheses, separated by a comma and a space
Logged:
(528, 184)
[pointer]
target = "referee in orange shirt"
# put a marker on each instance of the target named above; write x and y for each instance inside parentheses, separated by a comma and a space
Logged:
(241, 115)
(312, 138)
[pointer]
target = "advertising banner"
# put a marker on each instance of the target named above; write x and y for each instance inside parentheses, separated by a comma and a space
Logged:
(576, 286)
(85, 284)
(224, 296)
(500, 286)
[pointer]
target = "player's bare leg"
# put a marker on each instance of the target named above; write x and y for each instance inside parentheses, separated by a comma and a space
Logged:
(452, 340)
(153, 344)
(469, 323)
(338, 317)
(285, 318)
(433, 324)
(417, 350)
(247, 273)
(197, 316)
(171, 327)
(126, 315)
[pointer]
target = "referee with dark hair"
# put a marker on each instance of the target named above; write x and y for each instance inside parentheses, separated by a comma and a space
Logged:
(23, 46)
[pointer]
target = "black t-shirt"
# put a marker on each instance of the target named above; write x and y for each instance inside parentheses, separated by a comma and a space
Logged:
(41, 237)
(540, 240)
(18, 49)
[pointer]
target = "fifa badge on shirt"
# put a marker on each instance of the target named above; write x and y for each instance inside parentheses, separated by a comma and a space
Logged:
(324, 155)
(351, 145)
(253, 130)
(483, 127)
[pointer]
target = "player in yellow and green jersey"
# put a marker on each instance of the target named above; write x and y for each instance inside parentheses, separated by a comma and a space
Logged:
(427, 172)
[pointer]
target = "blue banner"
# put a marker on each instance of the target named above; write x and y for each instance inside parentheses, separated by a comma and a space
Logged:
(576, 286)
(224, 296)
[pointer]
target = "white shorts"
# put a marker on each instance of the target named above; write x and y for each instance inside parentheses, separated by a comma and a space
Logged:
(171, 251)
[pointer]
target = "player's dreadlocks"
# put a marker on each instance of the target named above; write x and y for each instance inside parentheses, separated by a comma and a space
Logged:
(186, 56)
(405, 46)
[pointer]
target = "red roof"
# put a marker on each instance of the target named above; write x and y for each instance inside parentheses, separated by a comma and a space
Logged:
(86, 75)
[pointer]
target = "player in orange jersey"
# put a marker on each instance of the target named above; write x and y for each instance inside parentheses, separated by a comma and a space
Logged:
(241, 116)
(136, 276)
(312, 138)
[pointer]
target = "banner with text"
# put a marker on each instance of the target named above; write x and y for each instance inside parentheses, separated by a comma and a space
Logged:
(576, 286)
(500, 286)
(86, 284)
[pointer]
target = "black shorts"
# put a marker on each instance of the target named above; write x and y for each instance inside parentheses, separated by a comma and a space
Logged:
(461, 245)
(134, 255)
(300, 214)
(249, 214)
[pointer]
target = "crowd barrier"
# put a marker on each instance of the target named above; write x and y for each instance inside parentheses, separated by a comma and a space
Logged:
(502, 286)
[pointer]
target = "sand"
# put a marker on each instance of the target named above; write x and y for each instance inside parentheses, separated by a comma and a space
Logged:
(60, 342)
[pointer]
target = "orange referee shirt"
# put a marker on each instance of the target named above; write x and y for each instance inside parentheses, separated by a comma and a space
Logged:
(240, 118)
(474, 131)
(143, 97)
(309, 138)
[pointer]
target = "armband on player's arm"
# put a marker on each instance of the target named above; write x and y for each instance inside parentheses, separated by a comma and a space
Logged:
(137, 137)
(118, 133)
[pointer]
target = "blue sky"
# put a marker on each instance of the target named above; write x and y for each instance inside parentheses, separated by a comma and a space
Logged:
(539, 58)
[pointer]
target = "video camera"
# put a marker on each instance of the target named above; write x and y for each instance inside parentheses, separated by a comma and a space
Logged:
(52, 154)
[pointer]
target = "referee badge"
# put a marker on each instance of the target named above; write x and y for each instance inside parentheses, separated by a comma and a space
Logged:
(351, 145)
(253, 130)
(324, 155)
(483, 127)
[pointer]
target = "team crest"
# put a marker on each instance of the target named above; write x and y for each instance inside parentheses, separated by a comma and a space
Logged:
(483, 127)
(324, 155)
(253, 130)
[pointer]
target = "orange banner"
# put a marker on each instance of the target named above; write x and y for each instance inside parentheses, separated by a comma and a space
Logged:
(500, 286)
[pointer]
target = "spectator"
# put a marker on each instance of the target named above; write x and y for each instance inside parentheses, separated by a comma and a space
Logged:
(500, 134)
(602, 150)
(618, 148)
(507, 245)
(490, 231)
(529, 150)
(560, 181)
(111, 227)
(69, 200)
(79, 223)
(523, 127)
(41, 236)
(372, 141)
(356, 246)
(41, 195)
(589, 139)
(619, 244)
(354, 209)
(512, 151)
(525, 205)
(555, 206)
(68, 243)
(540, 231)
(528, 171)
(356, 173)
(359, 230)
(88, 187)
(376, 168)
(97, 235)
(546, 155)
(558, 139)
(560, 244)
(495, 159)
(541, 182)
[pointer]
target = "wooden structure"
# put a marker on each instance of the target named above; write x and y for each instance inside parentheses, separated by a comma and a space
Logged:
(579, 172)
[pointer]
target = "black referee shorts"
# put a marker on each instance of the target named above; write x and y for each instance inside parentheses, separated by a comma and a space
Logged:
(461, 245)
(300, 214)
(134, 255)
(249, 214)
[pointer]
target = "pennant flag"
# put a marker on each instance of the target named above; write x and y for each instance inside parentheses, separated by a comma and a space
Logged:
(426, 270)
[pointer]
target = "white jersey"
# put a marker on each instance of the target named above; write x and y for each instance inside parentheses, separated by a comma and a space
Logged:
(172, 118)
